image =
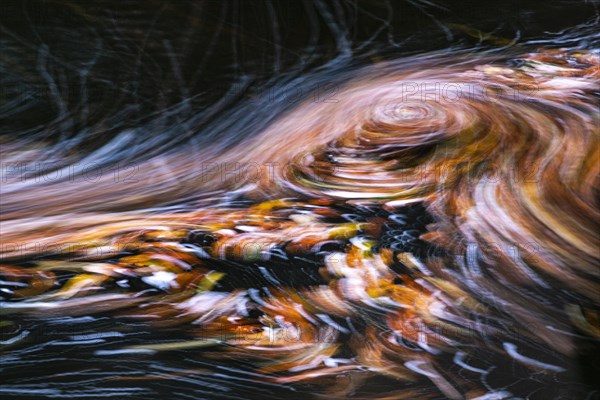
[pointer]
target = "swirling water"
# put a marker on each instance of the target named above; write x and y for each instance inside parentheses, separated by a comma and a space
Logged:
(421, 225)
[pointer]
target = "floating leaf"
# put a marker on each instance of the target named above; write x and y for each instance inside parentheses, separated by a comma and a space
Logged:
(209, 281)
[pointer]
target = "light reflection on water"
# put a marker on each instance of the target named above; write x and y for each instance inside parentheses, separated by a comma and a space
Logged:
(419, 226)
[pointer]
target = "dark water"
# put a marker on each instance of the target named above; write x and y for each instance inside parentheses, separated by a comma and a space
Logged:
(139, 88)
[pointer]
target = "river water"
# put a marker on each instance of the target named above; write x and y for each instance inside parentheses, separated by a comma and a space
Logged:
(238, 200)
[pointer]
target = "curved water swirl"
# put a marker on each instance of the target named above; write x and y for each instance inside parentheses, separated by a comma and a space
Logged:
(503, 155)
